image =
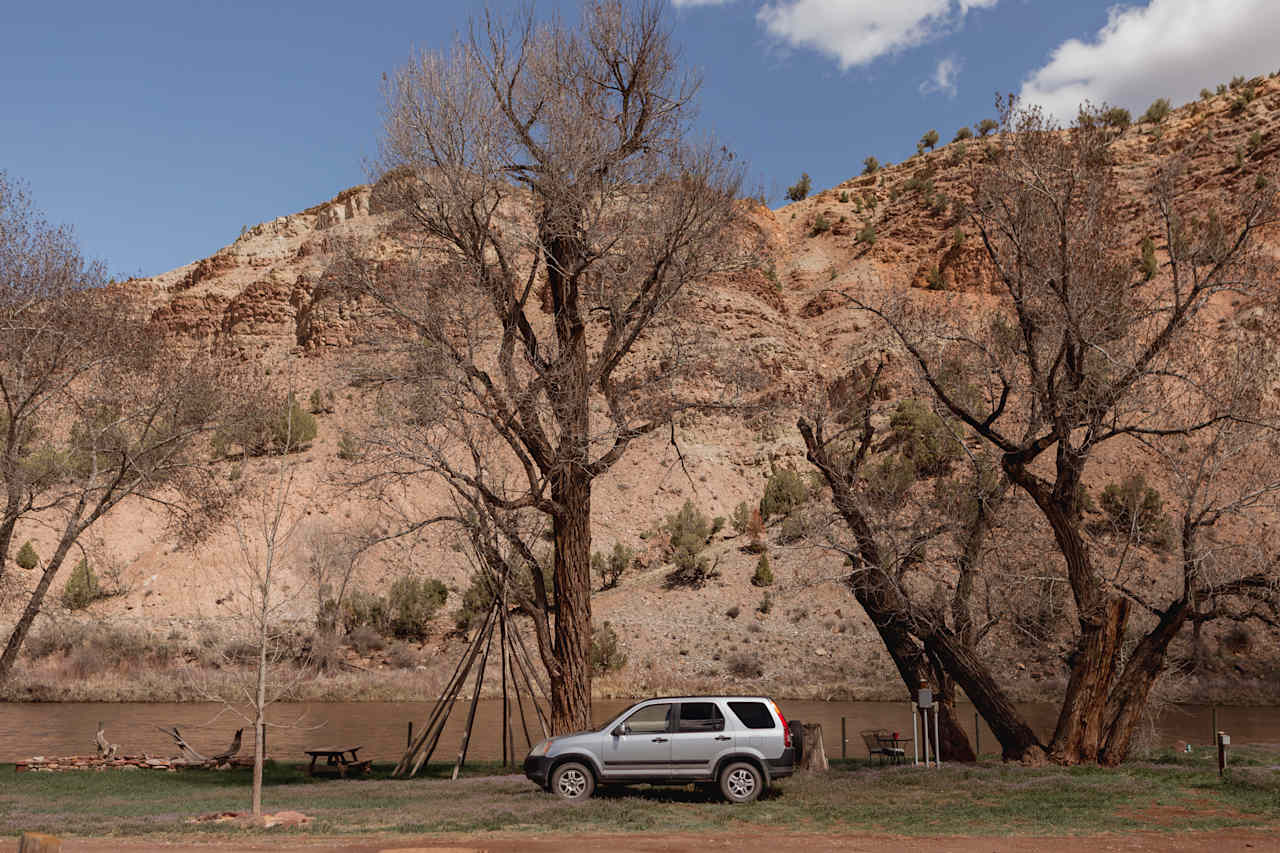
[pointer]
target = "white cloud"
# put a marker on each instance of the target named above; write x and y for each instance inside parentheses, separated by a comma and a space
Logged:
(856, 32)
(1168, 48)
(682, 3)
(943, 79)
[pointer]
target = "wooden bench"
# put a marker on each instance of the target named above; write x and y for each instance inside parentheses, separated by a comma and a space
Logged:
(343, 759)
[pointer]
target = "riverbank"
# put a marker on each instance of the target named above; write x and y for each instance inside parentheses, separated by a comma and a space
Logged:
(1173, 794)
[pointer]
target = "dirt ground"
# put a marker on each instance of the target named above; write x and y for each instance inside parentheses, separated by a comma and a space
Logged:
(1196, 842)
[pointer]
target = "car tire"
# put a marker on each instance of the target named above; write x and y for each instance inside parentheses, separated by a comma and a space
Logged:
(740, 782)
(797, 739)
(573, 782)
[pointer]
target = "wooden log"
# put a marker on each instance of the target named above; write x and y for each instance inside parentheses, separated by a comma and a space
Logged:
(39, 842)
(814, 759)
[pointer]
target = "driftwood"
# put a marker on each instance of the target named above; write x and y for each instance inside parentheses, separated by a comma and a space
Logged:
(814, 758)
(105, 749)
(192, 757)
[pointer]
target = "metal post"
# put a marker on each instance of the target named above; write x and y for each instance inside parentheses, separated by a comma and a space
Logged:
(1213, 726)
(924, 728)
(1224, 740)
(915, 738)
(937, 742)
(844, 738)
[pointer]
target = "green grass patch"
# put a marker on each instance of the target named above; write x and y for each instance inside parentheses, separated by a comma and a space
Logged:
(1170, 793)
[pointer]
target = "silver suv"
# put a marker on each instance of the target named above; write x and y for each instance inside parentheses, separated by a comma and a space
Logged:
(741, 743)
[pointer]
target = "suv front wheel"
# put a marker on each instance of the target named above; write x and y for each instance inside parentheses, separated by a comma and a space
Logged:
(740, 782)
(572, 781)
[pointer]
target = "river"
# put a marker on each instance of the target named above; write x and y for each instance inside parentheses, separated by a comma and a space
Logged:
(380, 728)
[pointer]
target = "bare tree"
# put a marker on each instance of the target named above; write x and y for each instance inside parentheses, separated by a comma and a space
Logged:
(94, 408)
(560, 210)
(1084, 351)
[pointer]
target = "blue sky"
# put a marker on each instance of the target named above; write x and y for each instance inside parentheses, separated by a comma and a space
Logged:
(158, 129)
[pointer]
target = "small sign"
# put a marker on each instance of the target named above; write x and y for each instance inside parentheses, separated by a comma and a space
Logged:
(1224, 739)
(925, 698)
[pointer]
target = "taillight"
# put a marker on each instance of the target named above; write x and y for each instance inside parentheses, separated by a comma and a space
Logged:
(786, 730)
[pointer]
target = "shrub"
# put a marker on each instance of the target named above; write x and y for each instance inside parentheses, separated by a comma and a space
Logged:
(263, 425)
(1137, 508)
(867, 235)
(820, 226)
(784, 491)
(402, 656)
(1117, 117)
(870, 166)
(733, 612)
(412, 602)
(82, 587)
(1205, 94)
(605, 656)
(1237, 81)
(741, 518)
(799, 191)
(918, 435)
(717, 523)
(364, 610)
(349, 447)
(755, 533)
(844, 197)
(1237, 640)
(1239, 158)
(1149, 265)
(929, 140)
(610, 568)
(962, 134)
(1156, 113)
(294, 428)
(1260, 182)
(1255, 142)
(1222, 89)
(765, 605)
(27, 557)
(764, 574)
(687, 533)
(745, 665)
(322, 402)
(476, 601)
(933, 278)
(365, 639)
(793, 530)
(987, 125)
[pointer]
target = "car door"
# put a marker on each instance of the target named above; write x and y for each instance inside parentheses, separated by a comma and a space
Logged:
(700, 737)
(640, 745)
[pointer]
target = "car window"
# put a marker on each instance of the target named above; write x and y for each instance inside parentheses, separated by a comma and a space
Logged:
(649, 720)
(754, 715)
(700, 717)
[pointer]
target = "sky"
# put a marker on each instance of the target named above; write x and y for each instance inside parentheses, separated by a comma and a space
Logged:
(158, 129)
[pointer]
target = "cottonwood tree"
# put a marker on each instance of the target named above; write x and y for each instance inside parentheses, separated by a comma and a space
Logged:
(1082, 352)
(93, 408)
(560, 208)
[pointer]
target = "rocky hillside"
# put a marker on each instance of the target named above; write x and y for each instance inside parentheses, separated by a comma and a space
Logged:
(897, 230)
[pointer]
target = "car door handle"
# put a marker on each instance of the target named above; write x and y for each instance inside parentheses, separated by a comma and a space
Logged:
(659, 740)
(723, 737)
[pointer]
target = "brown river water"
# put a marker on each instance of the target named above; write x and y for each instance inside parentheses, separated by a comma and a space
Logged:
(380, 728)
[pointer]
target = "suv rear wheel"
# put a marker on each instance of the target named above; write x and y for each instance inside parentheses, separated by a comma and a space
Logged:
(740, 782)
(572, 781)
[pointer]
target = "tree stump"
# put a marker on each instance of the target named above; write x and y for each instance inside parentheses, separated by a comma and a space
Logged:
(38, 842)
(814, 758)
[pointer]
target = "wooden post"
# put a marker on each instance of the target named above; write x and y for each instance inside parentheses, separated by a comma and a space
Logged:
(1224, 740)
(408, 741)
(844, 738)
(1213, 725)
(814, 759)
(38, 842)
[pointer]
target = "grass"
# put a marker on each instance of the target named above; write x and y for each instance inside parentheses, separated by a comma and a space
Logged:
(1173, 793)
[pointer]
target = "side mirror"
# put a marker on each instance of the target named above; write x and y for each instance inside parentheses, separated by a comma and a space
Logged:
(618, 731)
(718, 725)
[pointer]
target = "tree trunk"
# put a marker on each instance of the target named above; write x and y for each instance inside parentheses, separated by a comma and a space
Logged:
(1133, 689)
(571, 686)
(1078, 735)
(815, 752)
(1017, 740)
(34, 605)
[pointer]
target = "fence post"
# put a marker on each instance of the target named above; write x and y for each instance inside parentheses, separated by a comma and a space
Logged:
(977, 738)
(844, 739)
(408, 744)
(1224, 740)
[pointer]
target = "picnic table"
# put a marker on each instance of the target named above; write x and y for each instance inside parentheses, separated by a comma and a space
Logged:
(343, 758)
